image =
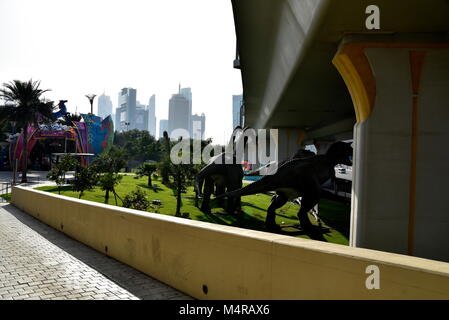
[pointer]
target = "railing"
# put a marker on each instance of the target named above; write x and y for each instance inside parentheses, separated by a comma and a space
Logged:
(5, 188)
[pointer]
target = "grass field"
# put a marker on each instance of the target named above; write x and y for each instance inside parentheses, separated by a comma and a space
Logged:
(334, 215)
(6, 196)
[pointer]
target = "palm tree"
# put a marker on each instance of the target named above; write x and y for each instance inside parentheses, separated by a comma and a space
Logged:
(25, 107)
(146, 169)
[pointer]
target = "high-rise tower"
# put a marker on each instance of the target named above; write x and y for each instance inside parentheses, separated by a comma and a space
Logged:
(178, 116)
(152, 116)
(126, 111)
(104, 106)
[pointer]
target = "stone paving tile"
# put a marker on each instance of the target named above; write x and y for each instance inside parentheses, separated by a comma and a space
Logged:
(40, 263)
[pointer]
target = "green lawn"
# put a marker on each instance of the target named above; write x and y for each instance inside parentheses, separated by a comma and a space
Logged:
(334, 215)
(6, 196)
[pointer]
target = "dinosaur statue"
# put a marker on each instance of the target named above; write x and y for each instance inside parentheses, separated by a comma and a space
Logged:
(222, 176)
(300, 154)
(298, 178)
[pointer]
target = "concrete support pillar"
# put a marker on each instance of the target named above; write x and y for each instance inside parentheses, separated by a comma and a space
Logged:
(400, 196)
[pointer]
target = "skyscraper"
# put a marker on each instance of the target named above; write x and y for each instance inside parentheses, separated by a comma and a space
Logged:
(178, 116)
(236, 105)
(125, 114)
(163, 126)
(141, 117)
(152, 116)
(187, 93)
(200, 123)
(104, 106)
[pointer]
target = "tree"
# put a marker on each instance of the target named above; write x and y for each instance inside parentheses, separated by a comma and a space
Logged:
(25, 107)
(147, 169)
(165, 165)
(108, 181)
(108, 166)
(57, 173)
(3, 129)
(164, 170)
(182, 174)
(139, 146)
(85, 179)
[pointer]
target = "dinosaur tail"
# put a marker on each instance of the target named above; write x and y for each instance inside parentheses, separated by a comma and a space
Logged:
(258, 186)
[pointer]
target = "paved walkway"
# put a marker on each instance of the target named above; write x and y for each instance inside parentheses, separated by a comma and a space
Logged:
(38, 262)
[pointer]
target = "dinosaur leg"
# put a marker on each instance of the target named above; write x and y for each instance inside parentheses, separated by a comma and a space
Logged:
(307, 203)
(208, 190)
(238, 200)
(220, 190)
(234, 204)
(276, 202)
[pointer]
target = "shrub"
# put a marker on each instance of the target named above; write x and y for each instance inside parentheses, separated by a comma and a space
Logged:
(137, 199)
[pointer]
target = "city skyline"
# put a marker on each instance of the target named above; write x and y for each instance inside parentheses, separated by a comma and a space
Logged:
(131, 114)
(146, 51)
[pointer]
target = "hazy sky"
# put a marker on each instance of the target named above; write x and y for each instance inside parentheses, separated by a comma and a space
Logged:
(77, 47)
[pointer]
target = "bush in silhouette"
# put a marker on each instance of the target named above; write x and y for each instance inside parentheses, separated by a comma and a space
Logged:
(137, 199)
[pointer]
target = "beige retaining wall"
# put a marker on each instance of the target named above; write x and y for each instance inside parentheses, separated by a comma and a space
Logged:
(234, 263)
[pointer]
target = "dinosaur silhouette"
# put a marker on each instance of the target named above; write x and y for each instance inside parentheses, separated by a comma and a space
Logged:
(228, 177)
(298, 178)
(222, 173)
(223, 177)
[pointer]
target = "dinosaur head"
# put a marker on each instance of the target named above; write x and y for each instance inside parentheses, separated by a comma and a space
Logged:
(340, 153)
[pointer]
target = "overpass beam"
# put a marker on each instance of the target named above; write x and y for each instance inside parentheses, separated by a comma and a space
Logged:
(400, 189)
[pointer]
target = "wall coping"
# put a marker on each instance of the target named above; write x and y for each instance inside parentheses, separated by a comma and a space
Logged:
(373, 256)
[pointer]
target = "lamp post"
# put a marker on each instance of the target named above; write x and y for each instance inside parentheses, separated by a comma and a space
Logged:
(91, 98)
(127, 125)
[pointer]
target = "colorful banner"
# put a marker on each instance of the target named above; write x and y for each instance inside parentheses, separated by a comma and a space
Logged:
(100, 133)
(81, 141)
(94, 135)
(17, 146)
(55, 134)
